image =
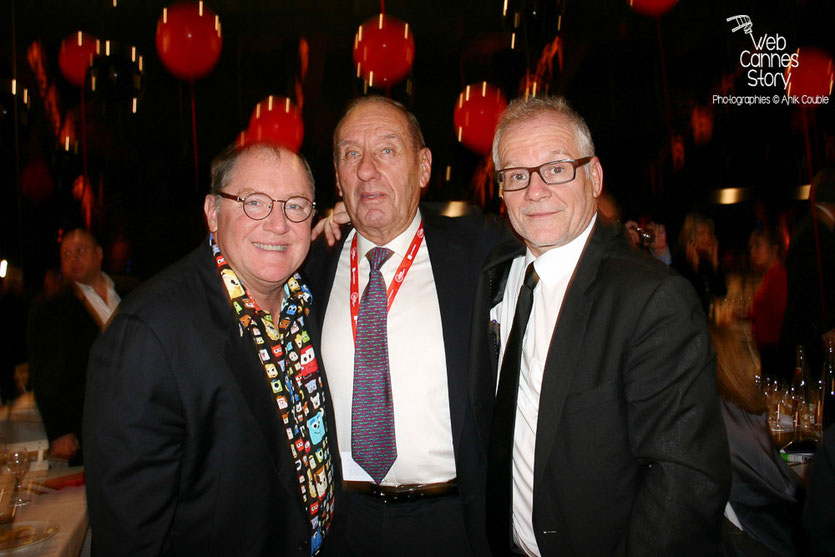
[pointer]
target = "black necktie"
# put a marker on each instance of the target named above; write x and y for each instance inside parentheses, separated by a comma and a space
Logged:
(500, 449)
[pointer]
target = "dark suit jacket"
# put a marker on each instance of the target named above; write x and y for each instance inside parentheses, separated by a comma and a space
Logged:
(60, 333)
(631, 455)
(803, 321)
(457, 247)
(186, 453)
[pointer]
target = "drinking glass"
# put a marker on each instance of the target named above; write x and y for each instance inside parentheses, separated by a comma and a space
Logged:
(18, 464)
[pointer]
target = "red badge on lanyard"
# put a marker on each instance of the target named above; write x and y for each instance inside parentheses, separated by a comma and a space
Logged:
(399, 276)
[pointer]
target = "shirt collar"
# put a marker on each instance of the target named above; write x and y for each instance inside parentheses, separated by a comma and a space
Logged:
(89, 288)
(557, 263)
(399, 245)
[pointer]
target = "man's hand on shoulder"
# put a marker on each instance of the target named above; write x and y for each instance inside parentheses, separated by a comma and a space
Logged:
(330, 225)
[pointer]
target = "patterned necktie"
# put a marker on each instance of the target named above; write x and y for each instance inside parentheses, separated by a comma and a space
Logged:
(500, 449)
(372, 419)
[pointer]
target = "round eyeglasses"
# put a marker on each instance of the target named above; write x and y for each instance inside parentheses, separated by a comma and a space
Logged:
(552, 173)
(258, 206)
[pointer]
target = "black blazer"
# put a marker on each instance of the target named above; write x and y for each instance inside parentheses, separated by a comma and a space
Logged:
(186, 453)
(631, 456)
(60, 333)
(457, 248)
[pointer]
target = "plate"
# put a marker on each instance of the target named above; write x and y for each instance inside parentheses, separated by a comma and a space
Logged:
(18, 536)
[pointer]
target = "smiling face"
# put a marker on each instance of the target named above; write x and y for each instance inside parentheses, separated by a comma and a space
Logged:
(548, 216)
(263, 253)
(379, 170)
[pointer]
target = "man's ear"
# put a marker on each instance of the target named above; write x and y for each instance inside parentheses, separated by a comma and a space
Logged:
(425, 162)
(210, 210)
(596, 171)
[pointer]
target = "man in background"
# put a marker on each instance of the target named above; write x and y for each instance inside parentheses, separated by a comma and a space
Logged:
(62, 328)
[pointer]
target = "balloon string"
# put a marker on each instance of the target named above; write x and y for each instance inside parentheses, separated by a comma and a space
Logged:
(84, 155)
(664, 82)
(194, 135)
(813, 211)
(382, 6)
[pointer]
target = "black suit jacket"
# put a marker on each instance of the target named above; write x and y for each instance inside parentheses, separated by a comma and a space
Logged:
(457, 248)
(186, 453)
(803, 321)
(631, 456)
(60, 333)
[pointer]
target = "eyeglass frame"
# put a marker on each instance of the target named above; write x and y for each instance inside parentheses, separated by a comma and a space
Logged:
(575, 163)
(242, 201)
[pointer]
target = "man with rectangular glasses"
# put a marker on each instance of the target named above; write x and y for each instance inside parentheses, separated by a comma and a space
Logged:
(594, 382)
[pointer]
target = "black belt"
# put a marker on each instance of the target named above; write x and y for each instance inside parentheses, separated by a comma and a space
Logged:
(401, 493)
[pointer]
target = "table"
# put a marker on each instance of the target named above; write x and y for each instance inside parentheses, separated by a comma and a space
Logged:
(66, 507)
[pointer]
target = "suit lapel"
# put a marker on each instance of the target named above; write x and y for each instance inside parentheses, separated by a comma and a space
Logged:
(88, 307)
(245, 369)
(444, 253)
(564, 353)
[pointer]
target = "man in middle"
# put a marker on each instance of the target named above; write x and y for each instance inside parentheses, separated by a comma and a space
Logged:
(398, 296)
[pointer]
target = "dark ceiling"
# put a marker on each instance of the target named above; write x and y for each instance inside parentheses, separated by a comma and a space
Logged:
(635, 79)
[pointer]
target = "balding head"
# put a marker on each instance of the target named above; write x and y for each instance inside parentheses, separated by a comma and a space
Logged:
(81, 256)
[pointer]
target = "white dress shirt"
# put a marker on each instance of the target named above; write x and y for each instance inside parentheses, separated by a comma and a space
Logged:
(555, 268)
(103, 308)
(417, 364)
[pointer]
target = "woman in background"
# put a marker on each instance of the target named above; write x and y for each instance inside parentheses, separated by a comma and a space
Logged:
(769, 303)
(762, 503)
(697, 259)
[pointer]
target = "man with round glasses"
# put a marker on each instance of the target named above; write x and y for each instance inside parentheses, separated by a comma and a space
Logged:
(594, 380)
(208, 424)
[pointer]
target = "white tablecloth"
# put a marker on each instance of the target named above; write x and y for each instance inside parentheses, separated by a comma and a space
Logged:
(67, 508)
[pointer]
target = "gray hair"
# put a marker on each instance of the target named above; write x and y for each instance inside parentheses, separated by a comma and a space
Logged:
(525, 109)
(413, 125)
(224, 164)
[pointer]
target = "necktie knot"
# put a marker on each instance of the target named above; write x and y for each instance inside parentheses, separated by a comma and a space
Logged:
(377, 257)
(531, 278)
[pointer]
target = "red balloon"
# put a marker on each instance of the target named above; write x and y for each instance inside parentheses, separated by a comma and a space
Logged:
(276, 120)
(813, 75)
(189, 40)
(76, 55)
(652, 8)
(384, 50)
(476, 114)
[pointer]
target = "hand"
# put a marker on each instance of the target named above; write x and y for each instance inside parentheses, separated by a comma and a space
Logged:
(330, 225)
(631, 228)
(65, 446)
(693, 255)
(659, 242)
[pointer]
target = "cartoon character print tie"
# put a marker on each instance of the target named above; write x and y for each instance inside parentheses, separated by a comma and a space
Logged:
(292, 371)
(373, 443)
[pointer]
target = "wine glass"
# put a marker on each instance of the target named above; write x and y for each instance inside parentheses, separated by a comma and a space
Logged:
(18, 463)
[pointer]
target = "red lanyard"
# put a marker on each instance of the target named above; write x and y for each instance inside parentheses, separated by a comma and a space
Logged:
(399, 276)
